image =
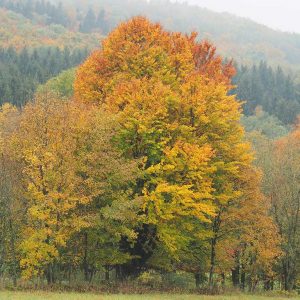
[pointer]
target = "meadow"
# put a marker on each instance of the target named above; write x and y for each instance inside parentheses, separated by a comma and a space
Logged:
(75, 296)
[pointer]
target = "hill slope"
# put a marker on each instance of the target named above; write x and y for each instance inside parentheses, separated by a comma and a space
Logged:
(240, 38)
(19, 32)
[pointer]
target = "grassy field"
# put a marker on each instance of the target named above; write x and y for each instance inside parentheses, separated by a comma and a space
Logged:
(71, 296)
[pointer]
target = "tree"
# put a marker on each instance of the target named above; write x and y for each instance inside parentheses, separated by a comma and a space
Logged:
(169, 95)
(10, 195)
(279, 162)
(46, 147)
(21, 73)
(113, 212)
(62, 180)
(285, 195)
(89, 22)
(102, 22)
(248, 239)
(272, 90)
(265, 124)
(61, 85)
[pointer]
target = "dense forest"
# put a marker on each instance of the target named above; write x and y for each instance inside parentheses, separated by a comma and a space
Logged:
(52, 14)
(45, 12)
(258, 86)
(21, 73)
(19, 32)
(238, 38)
(151, 160)
(272, 89)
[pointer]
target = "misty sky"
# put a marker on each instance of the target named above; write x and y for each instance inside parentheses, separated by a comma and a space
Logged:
(278, 14)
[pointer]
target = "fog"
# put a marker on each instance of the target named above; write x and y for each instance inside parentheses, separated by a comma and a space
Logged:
(278, 14)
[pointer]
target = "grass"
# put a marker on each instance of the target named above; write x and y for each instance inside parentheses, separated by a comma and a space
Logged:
(74, 296)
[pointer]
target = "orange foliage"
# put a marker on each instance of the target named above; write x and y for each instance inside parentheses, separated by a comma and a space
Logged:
(141, 49)
(170, 93)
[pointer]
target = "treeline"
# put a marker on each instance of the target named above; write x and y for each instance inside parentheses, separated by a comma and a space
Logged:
(145, 169)
(277, 151)
(51, 13)
(259, 86)
(21, 72)
(94, 21)
(223, 29)
(226, 31)
(273, 90)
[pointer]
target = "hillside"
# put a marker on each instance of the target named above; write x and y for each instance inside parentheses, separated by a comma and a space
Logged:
(49, 25)
(239, 38)
(80, 23)
(19, 32)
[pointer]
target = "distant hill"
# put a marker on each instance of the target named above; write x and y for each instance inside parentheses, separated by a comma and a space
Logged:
(239, 38)
(19, 32)
(242, 39)
(76, 24)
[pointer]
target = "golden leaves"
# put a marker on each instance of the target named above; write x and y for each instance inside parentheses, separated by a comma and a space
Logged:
(169, 94)
(64, 151)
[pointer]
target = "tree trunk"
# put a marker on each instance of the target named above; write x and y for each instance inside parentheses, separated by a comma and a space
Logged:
(69, 273)
(50, 274)
(85, 258)
(13, 253)
(267, 285)
(107, 273)
(119, 273)
(288, 275)
(235, 275)
(223, 279)
(212, 262)
(243, 278)
(197, 280)
(213, 243)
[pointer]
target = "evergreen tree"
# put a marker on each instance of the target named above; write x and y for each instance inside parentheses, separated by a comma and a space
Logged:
(89, 22)
(273, 90)
(21, 73)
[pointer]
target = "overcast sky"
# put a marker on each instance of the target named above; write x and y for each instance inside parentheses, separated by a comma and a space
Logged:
(278, 14)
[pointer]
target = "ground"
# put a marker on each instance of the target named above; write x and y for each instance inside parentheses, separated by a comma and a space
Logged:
(73, 296)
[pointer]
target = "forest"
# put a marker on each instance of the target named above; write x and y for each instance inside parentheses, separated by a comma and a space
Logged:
(135, 157)
(21, 73)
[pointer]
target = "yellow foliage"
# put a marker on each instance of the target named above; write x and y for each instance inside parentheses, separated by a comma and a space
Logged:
(169, 93)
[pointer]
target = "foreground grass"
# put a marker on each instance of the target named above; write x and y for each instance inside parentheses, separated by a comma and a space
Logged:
(73, 296)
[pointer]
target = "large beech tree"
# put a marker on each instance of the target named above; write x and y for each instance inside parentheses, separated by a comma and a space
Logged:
(169, 93)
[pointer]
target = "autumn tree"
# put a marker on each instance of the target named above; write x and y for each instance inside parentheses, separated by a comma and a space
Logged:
(64, 156)
(286, 206)
(248, 239)
(113, 212)
(169, 93)
(10, 195)
(53, 190)
(280, 162)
